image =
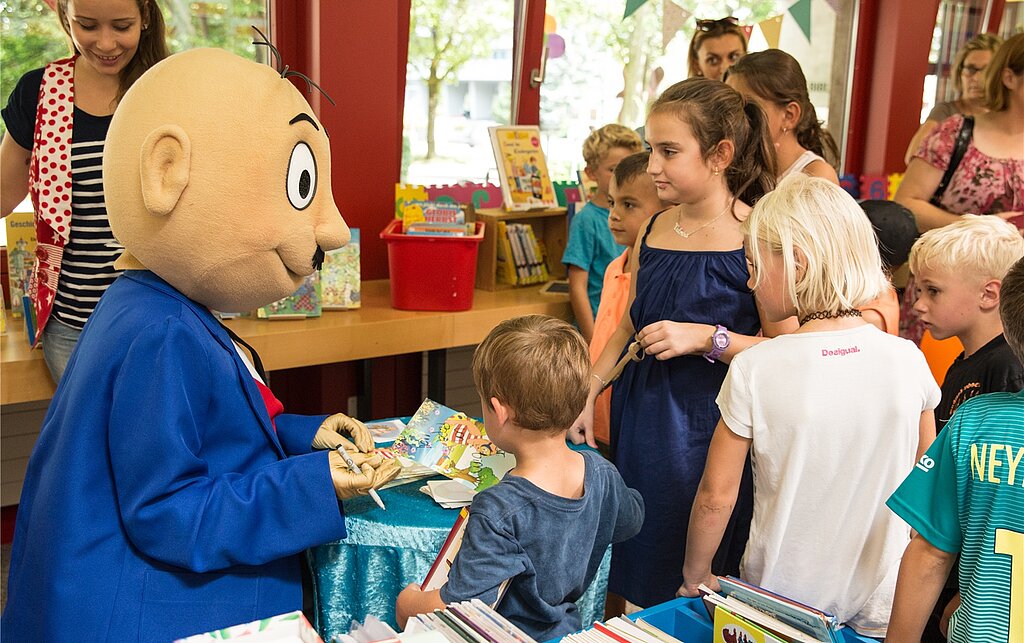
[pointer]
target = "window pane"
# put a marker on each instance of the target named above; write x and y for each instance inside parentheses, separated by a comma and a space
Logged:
(612, 69)
(226, 24)
(458, 83)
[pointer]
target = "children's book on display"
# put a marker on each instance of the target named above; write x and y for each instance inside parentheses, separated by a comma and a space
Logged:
(21, 257)
(340, 276)
(452, 444)
(522, 168)
(303, 303)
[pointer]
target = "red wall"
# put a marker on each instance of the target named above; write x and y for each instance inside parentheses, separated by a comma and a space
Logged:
(357, 52)
(900, 39)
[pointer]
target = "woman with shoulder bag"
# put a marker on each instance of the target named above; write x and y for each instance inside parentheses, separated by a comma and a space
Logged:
(970, 164)
(990, 177)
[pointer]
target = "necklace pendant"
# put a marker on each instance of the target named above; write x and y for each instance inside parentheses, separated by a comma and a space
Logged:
(682, 233)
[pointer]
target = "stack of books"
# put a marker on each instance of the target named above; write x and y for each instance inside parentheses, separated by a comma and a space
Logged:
(622, 630)
(521, 258)
(765, 616)
(467, 622)
(440, 218)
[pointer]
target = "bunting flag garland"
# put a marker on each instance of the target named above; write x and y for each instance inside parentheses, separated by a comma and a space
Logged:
(771, 29)
(632, 6)
(673, 19)
(801, 12)
(747, 30)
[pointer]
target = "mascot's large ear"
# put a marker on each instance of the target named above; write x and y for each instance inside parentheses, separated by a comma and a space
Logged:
(165, 164)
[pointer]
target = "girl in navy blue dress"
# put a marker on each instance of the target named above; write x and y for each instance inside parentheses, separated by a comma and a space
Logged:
(710, 154)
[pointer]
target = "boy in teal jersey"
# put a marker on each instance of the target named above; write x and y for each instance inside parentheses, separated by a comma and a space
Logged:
(966, 496)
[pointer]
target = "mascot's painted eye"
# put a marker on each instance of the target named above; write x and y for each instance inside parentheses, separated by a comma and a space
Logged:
(301, 176)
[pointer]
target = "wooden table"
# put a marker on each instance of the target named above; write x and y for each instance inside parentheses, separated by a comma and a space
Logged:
(375, 330)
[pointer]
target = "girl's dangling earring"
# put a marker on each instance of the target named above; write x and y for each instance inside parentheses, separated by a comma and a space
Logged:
(716, 170)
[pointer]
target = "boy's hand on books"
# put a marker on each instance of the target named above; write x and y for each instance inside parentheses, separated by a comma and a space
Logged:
(329, 435)
(374, 473)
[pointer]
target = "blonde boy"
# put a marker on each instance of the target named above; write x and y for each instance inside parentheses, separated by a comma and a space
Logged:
(591, 246)
(548, 523)
(632, 199)
(963, 498)
(959, 269)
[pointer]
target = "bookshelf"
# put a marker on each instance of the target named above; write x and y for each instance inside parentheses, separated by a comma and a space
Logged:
(549, 226)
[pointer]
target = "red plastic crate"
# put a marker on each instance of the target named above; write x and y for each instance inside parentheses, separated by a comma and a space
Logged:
(431, 272)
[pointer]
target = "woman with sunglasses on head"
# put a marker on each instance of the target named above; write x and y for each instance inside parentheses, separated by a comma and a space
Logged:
(716, 45)
(968, 79)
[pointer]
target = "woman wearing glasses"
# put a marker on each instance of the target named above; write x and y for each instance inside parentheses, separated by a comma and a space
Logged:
(716, 46)
(969, 80)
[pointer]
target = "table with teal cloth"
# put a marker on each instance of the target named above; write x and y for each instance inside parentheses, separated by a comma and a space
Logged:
(385, 551)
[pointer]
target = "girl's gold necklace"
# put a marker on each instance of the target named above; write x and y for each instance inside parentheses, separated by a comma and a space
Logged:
(686, 235)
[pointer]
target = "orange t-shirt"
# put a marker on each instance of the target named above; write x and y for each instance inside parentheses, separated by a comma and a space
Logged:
(614, 297)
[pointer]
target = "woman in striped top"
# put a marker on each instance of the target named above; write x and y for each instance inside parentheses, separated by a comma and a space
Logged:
(57, 119)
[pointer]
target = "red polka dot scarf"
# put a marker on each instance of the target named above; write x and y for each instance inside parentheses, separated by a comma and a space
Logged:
(49, 179)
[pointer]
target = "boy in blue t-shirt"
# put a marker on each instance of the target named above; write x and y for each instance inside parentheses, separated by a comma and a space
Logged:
(547, 524)
(591, 246)
(966, 496)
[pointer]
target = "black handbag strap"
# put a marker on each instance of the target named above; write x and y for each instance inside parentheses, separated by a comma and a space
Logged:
(959, 149)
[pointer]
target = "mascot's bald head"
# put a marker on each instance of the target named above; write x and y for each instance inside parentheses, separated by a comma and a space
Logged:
(217, 178)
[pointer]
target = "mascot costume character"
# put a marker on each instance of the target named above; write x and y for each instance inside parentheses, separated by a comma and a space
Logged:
(168, 494)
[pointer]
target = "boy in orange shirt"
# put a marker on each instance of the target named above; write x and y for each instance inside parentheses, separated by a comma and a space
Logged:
(590, 248)
(632, 199)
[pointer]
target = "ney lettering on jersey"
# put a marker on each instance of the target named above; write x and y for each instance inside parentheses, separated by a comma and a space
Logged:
(997, 463)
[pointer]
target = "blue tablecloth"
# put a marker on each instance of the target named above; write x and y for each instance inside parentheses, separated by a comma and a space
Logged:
(387, 550)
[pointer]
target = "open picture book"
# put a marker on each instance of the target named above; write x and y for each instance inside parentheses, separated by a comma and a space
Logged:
(452, 444)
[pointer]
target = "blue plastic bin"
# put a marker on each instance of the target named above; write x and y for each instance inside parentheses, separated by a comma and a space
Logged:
(687, 620)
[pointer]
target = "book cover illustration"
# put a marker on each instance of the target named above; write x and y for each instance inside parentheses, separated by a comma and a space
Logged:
(730, 628)
(340, 276)
(454, 445)
(406, 193)
(522, 168)
(431, 212)
(303, 303)
(21, 257)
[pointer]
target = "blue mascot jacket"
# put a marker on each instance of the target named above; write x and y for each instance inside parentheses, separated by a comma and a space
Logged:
(159, 500)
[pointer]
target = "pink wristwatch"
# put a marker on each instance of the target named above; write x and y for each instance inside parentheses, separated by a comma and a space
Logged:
(719, 342)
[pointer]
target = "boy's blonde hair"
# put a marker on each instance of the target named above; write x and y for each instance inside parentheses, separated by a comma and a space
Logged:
(539, 367)
(982, 246)
(815, 225)
(1011, 308)
(605, 138)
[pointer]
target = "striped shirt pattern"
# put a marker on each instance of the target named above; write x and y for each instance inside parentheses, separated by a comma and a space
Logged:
(87, 268)
(966, 495)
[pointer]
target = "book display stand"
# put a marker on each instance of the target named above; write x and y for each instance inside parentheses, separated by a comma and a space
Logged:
(549, 228)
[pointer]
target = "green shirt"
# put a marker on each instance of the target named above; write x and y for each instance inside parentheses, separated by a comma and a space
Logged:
(966, 495)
